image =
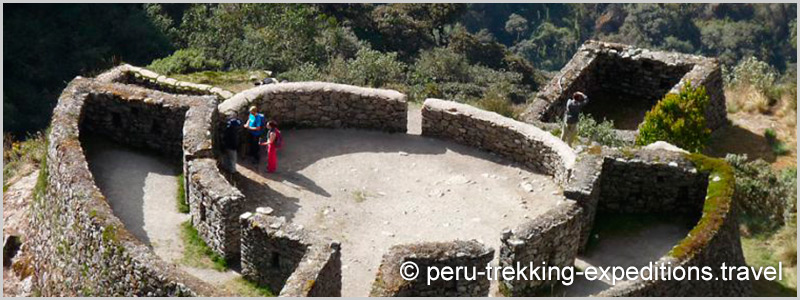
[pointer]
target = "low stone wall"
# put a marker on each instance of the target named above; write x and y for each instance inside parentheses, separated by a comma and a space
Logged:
(584, 189)
(713, 241)
(651, 182)
(550, 240)
(467, 254)
(81, 248)
(126, 73)
(215, 206)
(645, 75)
(524, 143)
(320, 104)
(283, 257)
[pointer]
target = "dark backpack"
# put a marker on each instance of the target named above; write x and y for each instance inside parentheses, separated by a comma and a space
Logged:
(278, 139)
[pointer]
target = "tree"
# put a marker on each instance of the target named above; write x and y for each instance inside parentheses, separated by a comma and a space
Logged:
(549, 47)
(516, 24)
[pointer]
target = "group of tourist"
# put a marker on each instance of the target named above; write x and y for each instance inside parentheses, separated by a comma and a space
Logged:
(261, 134)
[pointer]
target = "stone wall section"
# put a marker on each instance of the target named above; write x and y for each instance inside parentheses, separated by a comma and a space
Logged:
(584, 188)
(81, 248)
(470, 254)
(215, 205)
(651, 182)
(648, 75)
(551, 239)
(285, 258)
(322, 105)
(129, 74)
(524, 143)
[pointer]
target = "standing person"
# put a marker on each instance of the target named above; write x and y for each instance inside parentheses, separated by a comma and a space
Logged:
(572, 116)
(230, 142)
(255, 127)
(273, 142)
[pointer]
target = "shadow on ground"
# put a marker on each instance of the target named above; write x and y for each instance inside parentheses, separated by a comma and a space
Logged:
(738, 140)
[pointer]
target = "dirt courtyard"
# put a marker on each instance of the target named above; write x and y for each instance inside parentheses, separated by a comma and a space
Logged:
(372, 190)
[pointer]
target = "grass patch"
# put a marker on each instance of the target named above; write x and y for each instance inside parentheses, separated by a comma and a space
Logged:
(196, 252)
(183, 206)
(21, 157)
(765, 250)
(234, 80)
(245, 288)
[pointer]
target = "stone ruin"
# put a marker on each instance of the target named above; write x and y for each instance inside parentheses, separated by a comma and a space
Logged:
(83, 249)
(623, 82)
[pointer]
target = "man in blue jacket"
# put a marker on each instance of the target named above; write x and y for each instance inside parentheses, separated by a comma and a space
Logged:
(255, 127)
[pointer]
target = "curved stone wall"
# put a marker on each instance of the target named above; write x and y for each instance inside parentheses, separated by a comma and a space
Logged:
(321, 104)
(81, 248)
(524, 143)
(713, 241)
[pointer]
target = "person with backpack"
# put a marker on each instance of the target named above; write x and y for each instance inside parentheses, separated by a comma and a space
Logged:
(273, 142)
(255, 127)
(230, 143)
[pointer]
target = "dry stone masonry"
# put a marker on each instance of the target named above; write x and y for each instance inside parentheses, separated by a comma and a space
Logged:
(472, 255)
(524, 143)
(549, 241)
(283, 257)
(322, 105)
(83, 249)
(622, 77)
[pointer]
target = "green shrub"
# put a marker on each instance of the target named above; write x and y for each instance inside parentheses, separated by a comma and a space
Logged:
(778, 146)
(184, 61)
(306, 72)
(374, 68)
(766, 198)
(678, 119)
(588, 128)
(753, 72)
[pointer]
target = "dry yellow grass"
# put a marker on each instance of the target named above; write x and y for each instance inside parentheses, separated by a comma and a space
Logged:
(746, 98)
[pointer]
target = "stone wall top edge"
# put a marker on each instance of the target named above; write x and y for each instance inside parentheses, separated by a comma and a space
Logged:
(207, 174)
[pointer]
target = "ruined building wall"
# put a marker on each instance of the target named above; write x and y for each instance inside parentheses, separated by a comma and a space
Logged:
(646, 76)
(470, 254)
(524, 143)
(285, 258)
(81, 248)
